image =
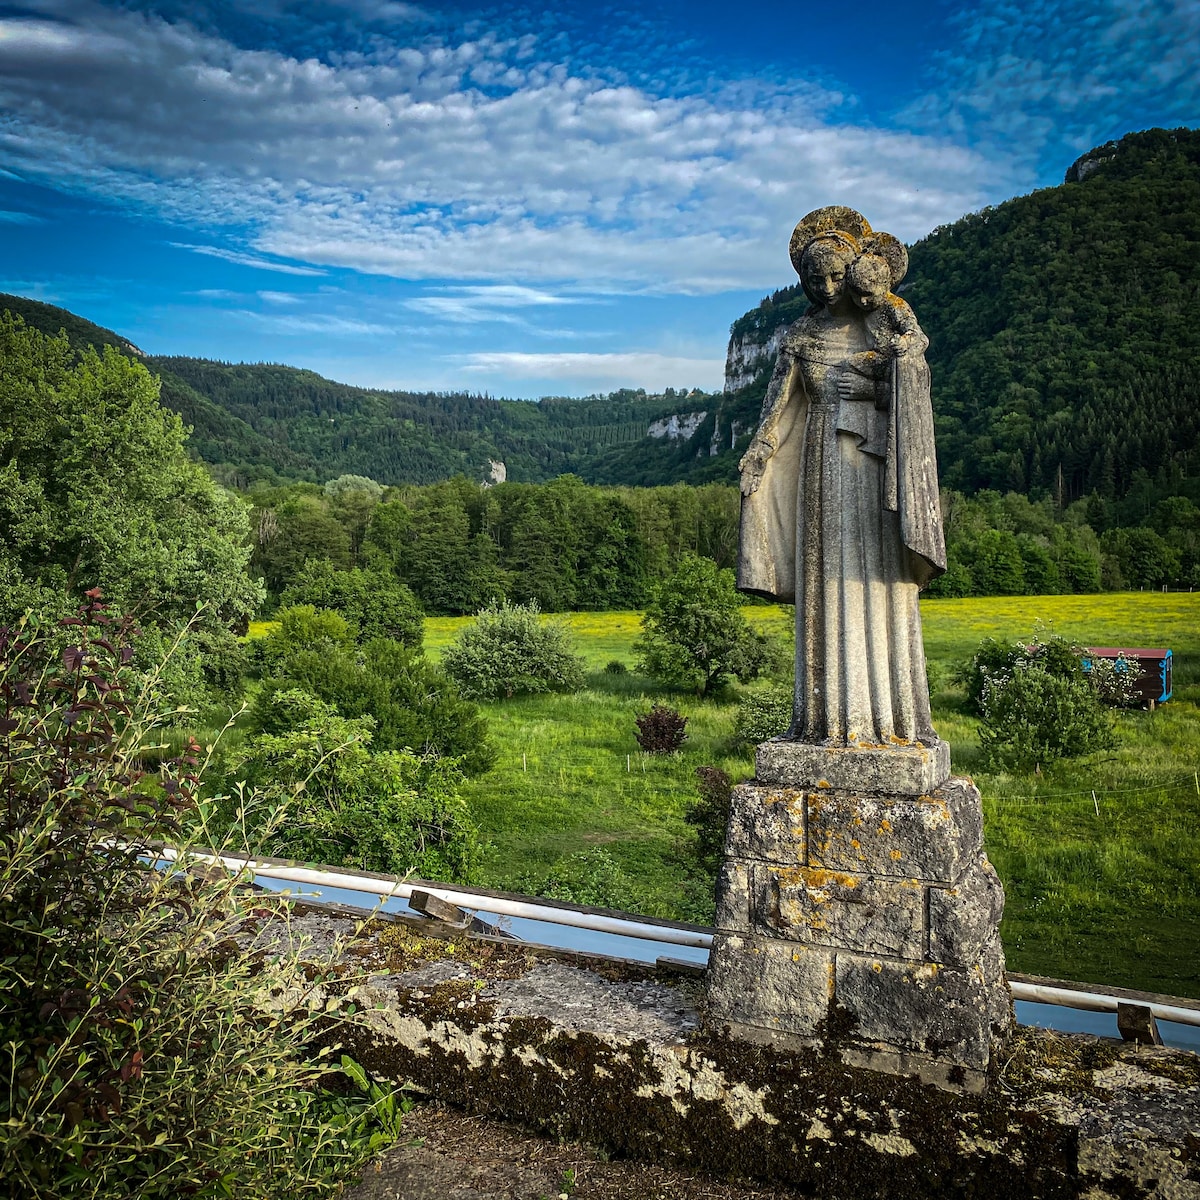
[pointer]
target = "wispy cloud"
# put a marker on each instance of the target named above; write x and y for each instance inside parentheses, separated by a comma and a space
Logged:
(600, 371)
(10, 217)
(247, 260)
(280, 297)
(473, 304)
(484, 158)
(320, 323)
(1035, 83)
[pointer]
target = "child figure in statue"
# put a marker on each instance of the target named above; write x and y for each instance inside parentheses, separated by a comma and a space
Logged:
(892, 327)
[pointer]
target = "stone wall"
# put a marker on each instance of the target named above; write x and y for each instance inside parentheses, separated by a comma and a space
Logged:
(620, 1057)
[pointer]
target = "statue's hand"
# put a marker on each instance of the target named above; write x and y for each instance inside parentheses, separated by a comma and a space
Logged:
(853, 386)
(752, 465)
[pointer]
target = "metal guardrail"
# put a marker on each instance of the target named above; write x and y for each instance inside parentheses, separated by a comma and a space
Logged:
(675, 933)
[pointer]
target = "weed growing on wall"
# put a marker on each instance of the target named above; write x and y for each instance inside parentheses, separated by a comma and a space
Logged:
(143, 1050)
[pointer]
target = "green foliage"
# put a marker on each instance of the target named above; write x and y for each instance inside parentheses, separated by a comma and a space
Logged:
(693, 632)
(96, 490)
(509, 650)
(327, 428)
(710, 815)
(300, 628)
(662, 730)
(286, 536)
(763, 714)
(591, 877)
(374, 603)
(389, 811)
(413, 704)
(1062, 329)
(144, 1054)
(1036, 701)
(615, 667)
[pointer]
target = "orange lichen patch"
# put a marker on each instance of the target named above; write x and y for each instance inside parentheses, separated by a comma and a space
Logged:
(885, 826)
(818, 877)
(895, 855)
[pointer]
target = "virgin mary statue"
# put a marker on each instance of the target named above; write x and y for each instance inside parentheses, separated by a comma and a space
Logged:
(840, 510)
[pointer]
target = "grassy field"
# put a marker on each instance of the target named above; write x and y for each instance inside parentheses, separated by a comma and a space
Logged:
(1103, 887)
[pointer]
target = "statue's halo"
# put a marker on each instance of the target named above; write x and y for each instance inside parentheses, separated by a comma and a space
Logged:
(837, 218)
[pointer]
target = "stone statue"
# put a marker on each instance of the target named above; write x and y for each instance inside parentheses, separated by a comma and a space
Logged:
(856, 912)
(840, 510)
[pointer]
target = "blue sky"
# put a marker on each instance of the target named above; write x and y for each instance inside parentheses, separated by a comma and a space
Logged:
(520, 200)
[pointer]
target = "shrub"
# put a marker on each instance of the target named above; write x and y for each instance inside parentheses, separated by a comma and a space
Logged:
(591, 877)
(762, 715)
(508, 651)
(1036, 702)
(413, 704)
(1115, 680)
(710, 814)
(616, 667)
(143, 1053)
(374, 603)
(693, 632)
(661, 731)
(392, 811)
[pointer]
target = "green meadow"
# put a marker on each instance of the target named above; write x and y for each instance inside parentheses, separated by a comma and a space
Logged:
(1100, 856)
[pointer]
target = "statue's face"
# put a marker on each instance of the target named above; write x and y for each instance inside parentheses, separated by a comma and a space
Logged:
(869, 281)
(823, 269)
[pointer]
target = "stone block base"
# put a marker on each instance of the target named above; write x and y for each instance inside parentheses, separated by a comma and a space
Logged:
(862, 924)
(907, 770)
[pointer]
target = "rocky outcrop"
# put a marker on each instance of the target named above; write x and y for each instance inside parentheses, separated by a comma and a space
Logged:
(748, 354)
(678, 427)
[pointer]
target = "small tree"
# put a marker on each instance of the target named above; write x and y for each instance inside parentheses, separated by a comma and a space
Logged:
(693, 632)
(510, 650)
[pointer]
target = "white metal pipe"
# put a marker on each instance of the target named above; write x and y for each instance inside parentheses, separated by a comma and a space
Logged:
(1040, 993)
(530, 909)
(493, 904)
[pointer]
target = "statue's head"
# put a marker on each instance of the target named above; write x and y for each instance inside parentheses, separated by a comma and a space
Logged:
(869, 280)
(823, 266)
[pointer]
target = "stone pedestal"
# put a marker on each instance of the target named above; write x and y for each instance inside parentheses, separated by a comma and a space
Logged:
(861, 921)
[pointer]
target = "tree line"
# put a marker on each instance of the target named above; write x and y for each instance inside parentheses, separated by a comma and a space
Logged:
(566, 545)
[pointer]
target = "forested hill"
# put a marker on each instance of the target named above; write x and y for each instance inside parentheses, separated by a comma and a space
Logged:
(263, 420)
(420, 437)
(1064, 329)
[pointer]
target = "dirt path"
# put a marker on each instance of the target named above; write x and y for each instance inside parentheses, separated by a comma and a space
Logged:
(444, 1155)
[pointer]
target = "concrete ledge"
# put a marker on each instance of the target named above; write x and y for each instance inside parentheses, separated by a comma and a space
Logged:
(619, 1057)
(907, 770)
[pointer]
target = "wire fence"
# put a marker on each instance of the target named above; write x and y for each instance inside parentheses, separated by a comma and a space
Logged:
(1189, 782)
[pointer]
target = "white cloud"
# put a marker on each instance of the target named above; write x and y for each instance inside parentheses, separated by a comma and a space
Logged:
(279, 297)
(600, 372)
(247, 260)
(486, 159)
(10, 217)
(475, 304)
(322, 323)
